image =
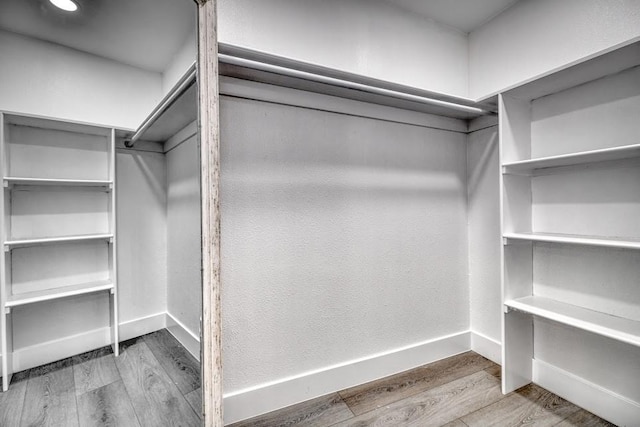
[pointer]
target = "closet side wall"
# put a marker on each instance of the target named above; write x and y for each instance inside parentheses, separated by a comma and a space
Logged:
(142, 242)
(484, 241)
(367, 37)
(50, 80)
(535, 37)
(184, 288)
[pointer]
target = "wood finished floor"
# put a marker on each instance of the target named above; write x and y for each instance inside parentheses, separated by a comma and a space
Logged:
(460, 391)
(155, 382)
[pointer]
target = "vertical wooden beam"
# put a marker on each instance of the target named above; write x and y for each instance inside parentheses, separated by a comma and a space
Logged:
(209, 132)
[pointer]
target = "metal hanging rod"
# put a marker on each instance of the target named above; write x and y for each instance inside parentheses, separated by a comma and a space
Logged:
(347, 84)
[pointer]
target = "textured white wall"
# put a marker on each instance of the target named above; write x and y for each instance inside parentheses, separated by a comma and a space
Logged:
(342, 237)
(46, 79)
(367, 37)
(483, 194)
(184, 290)
(537, 36)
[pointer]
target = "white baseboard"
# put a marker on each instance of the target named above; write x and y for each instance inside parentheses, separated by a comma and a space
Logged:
(143, 325)
(264, 398)
(186, 337)
(47, 352)
(50, 351)
(602, 402)
(487, 347)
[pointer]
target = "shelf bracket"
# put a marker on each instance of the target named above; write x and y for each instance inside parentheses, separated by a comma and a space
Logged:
(112, 291)
(505, 241)
(7, 310)
(506, 309)
(7, 248)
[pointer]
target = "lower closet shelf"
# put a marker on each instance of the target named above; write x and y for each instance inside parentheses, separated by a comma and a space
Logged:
(617, 328)
(56, 240)
(57, 293)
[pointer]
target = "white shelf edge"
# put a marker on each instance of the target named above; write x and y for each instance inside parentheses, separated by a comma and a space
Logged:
(14, 180)
(579, 317)
(573, 159)
(58, 293)
(53, 240)
(574, 240)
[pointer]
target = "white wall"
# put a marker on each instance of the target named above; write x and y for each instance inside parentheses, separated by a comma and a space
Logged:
(537, 36)
(483, 194)
(183, 59)
(184, 289)
(367, 37)
(46, 79)
(342, 237)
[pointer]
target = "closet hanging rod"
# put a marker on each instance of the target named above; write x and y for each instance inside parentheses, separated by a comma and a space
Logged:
(180, 87)
(347, 84)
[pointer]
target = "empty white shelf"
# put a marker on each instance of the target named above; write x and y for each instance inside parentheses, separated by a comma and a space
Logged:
(57, 293)
(616, 328)
(14, 180)
(572, 159)
(53, 240)
(571, 239)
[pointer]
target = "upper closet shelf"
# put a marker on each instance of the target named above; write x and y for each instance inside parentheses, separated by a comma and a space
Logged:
(571, 239)
(176, 110)
(617, 328)
(13, 180)
(572, 159)
(179, 107)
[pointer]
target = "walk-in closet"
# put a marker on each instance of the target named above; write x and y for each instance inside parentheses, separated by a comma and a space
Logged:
(336, 213)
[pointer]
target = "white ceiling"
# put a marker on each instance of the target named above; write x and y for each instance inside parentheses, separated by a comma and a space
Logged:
(465, 15)
(142, 33)
(148, 33)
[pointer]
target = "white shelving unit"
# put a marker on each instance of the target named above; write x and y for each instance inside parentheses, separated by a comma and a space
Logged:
(570, 203)
(58, 224)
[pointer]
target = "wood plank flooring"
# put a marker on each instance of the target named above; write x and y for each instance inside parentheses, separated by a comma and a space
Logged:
(460, 391)
(155, 382)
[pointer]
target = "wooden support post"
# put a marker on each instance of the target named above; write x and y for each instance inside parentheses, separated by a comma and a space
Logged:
(209, 135)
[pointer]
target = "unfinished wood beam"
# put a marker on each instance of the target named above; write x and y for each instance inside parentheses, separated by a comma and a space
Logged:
(209, 136)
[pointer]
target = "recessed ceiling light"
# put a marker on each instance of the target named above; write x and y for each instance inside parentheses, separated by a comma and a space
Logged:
(68, 5)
